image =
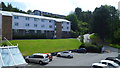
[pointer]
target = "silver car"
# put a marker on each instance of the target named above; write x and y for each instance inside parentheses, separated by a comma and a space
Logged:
(38, 58)
(65, 54)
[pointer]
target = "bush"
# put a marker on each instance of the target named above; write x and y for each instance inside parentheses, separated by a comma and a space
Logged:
(91, 48)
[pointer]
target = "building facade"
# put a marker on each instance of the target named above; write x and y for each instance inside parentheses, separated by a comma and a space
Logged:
(23, 26)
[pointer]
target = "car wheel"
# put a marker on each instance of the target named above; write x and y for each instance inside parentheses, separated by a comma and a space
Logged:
(27, 60)
(50, 59)
(69, 56)
(58, 55)
(40, 62)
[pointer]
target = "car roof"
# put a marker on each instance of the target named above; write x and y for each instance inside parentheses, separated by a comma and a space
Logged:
(99, 64)
(40, 54)
(108, 61)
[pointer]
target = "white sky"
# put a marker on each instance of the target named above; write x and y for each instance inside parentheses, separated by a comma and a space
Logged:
(63, 7)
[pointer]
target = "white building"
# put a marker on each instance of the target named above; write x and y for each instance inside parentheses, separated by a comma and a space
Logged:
(18, 25)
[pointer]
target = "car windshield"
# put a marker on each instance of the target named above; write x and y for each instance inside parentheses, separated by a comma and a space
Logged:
(47, 56)
(65, 52)
(38, 56)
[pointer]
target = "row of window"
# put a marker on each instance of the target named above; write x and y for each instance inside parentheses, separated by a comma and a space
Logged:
(35, 25)
(35, 19)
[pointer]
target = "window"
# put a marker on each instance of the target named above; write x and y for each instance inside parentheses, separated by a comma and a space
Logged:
(16, 17)
(26, 18)
(50, 21)
(35, 25)
(50, 26)
(42, 31)
(67, 22)
(27, 31)
(16, 24)
(67, 27)
(27, 24)
(36, 19)
(43, 20)
(16, 30)
(35, 31)
(42, 26)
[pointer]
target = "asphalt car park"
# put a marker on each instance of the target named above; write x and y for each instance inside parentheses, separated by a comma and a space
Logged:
(79, 59)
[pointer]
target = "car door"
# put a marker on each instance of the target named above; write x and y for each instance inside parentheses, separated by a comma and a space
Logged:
(31, 58)
(65, 54)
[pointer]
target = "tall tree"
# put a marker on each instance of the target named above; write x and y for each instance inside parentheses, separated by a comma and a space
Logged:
(105, 20)
(78, 12)
(4, 8)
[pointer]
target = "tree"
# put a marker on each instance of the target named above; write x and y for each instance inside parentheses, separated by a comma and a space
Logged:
(105, 22)
(100, 22)
(29, 11)
(4, 8)
(74, 21)
(78, 12)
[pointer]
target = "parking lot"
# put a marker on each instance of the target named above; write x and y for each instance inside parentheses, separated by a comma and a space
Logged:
(79, 59)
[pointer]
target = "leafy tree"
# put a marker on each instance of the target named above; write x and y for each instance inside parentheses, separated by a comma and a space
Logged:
(78, 12)
(29, 11)
(100, 23)
(3, 6)
(74, 21)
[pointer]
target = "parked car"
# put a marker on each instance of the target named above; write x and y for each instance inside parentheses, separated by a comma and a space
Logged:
(38, 58)
(116, 60)
(81, 50)
(118, 56)
(49, 56)
(99, 65)
(65, 54)
(110, 63)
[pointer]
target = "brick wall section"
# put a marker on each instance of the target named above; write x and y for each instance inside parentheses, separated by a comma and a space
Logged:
(7, 27)
(58, 30)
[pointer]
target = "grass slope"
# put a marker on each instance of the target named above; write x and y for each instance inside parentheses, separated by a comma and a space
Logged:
(28, 47)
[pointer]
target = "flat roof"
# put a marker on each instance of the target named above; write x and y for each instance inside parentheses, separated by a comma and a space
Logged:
(6, 13)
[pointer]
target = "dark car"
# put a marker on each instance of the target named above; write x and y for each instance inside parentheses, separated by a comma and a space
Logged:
(116, 60)
(81, 50)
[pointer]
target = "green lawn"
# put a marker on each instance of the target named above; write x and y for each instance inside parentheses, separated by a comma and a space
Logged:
(28, 47)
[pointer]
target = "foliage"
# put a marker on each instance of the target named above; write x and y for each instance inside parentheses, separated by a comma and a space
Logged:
(95, 39)
(9, 7)
(105, 22)
(91, 48)
(115, 46)
(28, 47)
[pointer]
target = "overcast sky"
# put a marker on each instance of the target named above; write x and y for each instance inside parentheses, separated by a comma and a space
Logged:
(63, 7)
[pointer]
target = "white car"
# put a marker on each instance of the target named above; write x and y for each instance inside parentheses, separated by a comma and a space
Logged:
(65, 54)
(110, 63)
(99, 65)
(38, 58)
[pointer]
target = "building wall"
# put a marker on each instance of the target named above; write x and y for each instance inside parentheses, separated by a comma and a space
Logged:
(0, 24)
(58, 30)
(42, 24)
(66, 26)
(7, 27)
(32, 25)
(25, 34)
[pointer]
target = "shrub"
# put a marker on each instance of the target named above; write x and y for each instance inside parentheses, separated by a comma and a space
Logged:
(91, 48)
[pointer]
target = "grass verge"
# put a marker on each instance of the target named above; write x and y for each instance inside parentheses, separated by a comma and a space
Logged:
(28, 47)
